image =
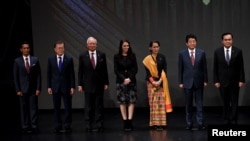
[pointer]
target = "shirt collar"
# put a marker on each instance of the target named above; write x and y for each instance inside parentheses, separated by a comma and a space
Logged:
(60, 56)
(227, 49)
(189, 50)
(90, 52)
(24, 57)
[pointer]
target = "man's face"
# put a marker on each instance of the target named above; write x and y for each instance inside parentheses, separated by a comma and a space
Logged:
(91, 45)
(59, 49)
(191, 44)
(25, 49)
(227, 41)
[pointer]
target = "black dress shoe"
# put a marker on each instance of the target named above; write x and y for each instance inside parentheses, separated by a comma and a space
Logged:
(68, 130)
(189, 127)
(234, 122)
(127, 129)
(95, 130)
(34, 130)
(88, 129)
(153, 127)
(159, 128)
(227, 122)
(58, 130)
(202, 127)
(100, 129)
(24, 131)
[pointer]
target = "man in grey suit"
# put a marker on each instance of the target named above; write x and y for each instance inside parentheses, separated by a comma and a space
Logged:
(193, 78)
(229, 76)
(27, 79)
(93, 80)
(61, 85)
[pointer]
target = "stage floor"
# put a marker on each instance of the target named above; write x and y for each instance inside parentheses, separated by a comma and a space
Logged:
(175, 130)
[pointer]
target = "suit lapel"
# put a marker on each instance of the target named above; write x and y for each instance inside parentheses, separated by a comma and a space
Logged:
(65, 59)
(224, 57)
(88, 59)
(22, 62)
(233, 54)
(54, 61)
(32, 62)
(97, 59)
(187, 56)
(197, 55)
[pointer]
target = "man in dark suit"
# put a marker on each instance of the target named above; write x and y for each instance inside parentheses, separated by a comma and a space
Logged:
(93, 80)
(229, 76)
(193, 78)
(27, 79)
(61, 85)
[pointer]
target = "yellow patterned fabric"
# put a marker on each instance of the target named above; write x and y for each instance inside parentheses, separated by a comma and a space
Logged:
(158, 116)
(150, 64)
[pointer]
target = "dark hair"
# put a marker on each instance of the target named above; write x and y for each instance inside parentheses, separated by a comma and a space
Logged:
(130, 52)
(226, 33)
(152, 42)
(190, 36)
(58, 42)
(24, 42)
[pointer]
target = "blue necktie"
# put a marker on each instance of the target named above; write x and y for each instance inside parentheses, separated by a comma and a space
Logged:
(60, 63)
(227, 56)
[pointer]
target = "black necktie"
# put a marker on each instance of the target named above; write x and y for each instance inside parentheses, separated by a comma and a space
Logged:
(27, 65)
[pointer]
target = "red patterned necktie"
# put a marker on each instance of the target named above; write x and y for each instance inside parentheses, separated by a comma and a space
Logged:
(192, 57)
(27, 65)
(93, 60)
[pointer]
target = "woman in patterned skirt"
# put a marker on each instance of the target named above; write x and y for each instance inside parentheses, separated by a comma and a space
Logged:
(157, 86)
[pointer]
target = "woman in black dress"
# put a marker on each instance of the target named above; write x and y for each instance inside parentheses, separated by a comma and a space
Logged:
(125, 67)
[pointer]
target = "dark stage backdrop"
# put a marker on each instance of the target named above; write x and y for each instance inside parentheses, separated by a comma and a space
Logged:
(140, 21)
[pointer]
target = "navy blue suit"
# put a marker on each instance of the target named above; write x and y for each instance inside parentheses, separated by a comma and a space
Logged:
(193, 79)
(28, 83)
(61, 82)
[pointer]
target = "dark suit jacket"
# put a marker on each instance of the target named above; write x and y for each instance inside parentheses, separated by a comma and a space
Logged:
(232, 74)
(190, 75)
(60, 80)
(89, 78)
(125, 67)
(27, 82)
